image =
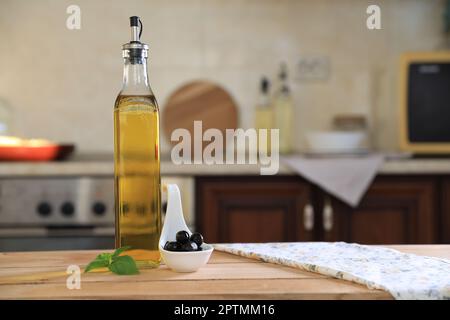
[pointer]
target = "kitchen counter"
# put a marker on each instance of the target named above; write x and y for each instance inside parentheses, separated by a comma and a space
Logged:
(106, 168)
(41, 275)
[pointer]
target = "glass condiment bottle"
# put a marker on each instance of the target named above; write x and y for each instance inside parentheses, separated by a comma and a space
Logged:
(137, 156)
(264, 115)
(284, 111)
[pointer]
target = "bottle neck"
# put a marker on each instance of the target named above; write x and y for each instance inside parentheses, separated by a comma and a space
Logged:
(135, 78)
(283, 88)
(264, 100)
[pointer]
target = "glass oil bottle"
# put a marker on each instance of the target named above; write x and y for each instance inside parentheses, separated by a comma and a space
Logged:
(284, 111)
(264, 115)
(137, 184)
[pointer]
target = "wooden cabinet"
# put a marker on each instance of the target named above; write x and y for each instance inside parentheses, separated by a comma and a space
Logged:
(444, 229)
(395, 210)
(254, 209)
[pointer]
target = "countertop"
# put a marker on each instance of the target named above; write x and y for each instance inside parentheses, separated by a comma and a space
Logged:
(33, 275)
(106, 168)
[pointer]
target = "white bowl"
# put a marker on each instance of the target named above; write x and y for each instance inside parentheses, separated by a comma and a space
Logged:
(187, 261)
(334, 141)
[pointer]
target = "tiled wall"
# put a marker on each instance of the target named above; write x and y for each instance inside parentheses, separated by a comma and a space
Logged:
(62, 84)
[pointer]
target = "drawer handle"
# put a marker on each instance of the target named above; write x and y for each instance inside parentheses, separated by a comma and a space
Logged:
(327, 216)
(308, 217)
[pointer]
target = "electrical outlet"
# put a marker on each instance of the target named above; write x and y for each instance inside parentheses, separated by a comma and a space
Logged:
(312, 68)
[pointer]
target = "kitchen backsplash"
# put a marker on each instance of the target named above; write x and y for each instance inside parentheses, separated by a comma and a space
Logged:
(62, 83)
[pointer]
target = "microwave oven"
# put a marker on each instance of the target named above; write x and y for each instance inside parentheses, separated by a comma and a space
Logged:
(425, 102)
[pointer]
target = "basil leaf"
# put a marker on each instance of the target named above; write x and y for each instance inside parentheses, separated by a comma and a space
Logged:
(100, 263)
(120, 250)
(124, 265)
(104, 256)
(114, 262)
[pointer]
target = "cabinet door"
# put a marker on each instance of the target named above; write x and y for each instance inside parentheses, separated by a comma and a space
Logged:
(445, 210)
(253, 209)
(395, 210)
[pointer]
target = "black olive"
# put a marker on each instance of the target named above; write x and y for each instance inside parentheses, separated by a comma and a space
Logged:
(182, 237)
(189, 246)
(172, 246)
(197, 238)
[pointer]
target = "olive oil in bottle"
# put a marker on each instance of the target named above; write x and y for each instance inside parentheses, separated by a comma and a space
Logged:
(136, 157)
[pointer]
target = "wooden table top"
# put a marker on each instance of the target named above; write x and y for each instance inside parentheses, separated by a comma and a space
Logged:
(42, 275)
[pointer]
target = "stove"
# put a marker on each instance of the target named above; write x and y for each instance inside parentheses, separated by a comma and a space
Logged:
(66, 205)
(51, 202)
(50, 213)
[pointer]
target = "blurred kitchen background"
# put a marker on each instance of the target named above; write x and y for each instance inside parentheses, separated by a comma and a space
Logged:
(60, 85)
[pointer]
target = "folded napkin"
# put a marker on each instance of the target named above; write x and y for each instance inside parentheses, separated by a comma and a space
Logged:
(347, 178)
(403, 275)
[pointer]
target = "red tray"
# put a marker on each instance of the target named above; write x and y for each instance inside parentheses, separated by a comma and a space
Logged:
(41, 153)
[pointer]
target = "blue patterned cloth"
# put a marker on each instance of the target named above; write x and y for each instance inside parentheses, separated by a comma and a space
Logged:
(403, 275)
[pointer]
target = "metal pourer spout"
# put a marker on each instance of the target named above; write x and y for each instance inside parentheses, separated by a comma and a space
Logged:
(135, 49)
(136, 29)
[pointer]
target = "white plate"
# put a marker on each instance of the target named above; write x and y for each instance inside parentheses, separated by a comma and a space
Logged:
(336, 153)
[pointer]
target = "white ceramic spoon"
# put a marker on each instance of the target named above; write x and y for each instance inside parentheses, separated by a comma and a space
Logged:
(174, 221)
